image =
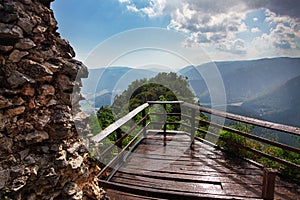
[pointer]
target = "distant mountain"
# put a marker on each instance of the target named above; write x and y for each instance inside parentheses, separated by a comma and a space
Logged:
(243, 80)
(103, 83)
(103, 99)
(265, 88)
(280, 104)
(102, 78)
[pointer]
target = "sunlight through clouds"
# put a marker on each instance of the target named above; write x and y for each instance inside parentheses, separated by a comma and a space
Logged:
(231, 29)
(224, 27)
(153, 9)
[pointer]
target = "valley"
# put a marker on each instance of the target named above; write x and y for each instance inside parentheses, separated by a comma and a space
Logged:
(266, 88)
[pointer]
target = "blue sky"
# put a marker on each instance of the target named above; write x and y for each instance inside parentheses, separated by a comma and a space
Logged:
(175, 33)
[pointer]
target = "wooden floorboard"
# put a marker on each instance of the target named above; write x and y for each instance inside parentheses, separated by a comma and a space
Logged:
(117, 195)
(203, 171)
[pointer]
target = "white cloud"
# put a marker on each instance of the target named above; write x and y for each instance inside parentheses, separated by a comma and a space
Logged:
(236, 46)
(132, 8)
(220, 24)
(283, 39)
(124, 1)
(286, 32)
(255, 30)
(218, 29)
(154, 9)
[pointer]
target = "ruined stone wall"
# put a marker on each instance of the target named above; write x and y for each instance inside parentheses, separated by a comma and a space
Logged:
(41, 155)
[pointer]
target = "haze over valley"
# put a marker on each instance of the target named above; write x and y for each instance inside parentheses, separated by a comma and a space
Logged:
(264, 88)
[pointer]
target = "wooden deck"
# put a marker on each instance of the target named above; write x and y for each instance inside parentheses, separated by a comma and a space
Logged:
(201, 173)
(162, 166)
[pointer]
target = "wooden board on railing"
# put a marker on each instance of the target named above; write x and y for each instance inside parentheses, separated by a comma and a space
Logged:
(249, 120)
(165, 102)
(111, 128)
(247, 135)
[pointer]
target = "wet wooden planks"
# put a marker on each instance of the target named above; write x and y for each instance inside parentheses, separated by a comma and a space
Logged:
(117, 195)
(203, 171)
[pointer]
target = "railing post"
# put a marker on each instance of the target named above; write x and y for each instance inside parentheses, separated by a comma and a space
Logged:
(192, 121)
(144, 122)
(165, 125)
(119, 135)
(268, 183)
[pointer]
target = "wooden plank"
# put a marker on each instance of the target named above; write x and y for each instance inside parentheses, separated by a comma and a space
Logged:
(111, 128)
(150, 168)
(200, 171)
(197, 162)
(150, 192)
(232, 188)
(171, 177)
(187, 161)
(200, 188)
(190, 173)
(194, 175)
(170, 132)
(165, 102)
(223, 178)
(183, 162)
(164, 114)
(249, 120)
(117, 195)
(236, 190)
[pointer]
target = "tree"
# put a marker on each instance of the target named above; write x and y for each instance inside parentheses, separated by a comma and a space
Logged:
(94, 125)
(105, 117)
(169, 86)
(163, 87)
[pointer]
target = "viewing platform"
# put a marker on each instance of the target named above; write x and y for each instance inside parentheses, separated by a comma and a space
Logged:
(176, 164)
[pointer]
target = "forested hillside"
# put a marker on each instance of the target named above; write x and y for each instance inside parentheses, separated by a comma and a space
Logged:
(164, 86)
(249, 87)
(281, 104)
(243, 80)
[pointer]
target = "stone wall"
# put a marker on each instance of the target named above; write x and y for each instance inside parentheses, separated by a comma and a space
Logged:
(41, 154)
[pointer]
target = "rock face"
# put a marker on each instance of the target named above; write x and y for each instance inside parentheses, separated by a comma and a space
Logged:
(41, 154)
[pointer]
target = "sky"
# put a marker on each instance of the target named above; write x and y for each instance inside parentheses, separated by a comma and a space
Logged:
(178, 33)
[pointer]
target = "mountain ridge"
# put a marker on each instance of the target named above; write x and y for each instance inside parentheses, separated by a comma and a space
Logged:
(278, 105)
(243, 81)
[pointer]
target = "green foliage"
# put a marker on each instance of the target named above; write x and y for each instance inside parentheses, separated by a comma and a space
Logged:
(283, 154)
(241, 140)
(163, 87)
(94, 125)
(105, 117)
(166, 86)
(271, 150)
